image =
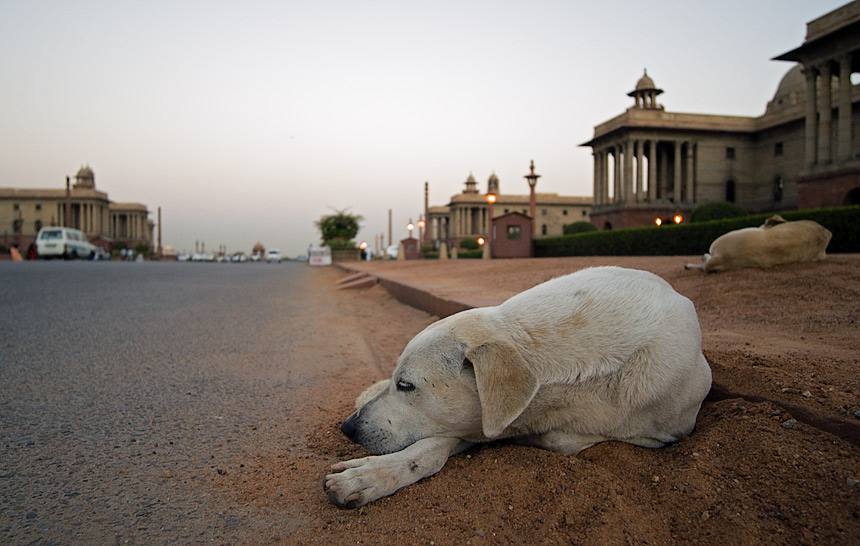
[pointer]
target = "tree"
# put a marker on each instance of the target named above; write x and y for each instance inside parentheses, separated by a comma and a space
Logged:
(339, 229)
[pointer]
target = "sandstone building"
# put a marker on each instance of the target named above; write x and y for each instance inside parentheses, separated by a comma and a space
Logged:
(466, 215)
(803, 152)
(104, 222)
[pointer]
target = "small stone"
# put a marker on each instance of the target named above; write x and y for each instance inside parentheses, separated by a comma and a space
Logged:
(857, 414)
(806, 394)
(852, 482)
(479, 532)
(706, 515)
(168, 474)
(788, 425)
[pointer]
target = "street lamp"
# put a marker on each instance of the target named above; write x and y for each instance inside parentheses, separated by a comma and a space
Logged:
(532, 179)
(491, 199)
(421, 225)
(410, 226)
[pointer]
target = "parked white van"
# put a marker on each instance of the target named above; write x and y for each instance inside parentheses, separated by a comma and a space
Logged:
(63, 242)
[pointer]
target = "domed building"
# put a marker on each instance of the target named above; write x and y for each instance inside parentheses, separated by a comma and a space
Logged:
(81, 206)
(803, 152)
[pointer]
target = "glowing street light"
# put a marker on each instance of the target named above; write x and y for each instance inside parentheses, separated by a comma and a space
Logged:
(678, 218)
(481, 241)
(410, 226)
(658, 221)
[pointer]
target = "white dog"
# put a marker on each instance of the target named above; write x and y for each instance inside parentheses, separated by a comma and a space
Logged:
(777, 241)
(603, 354)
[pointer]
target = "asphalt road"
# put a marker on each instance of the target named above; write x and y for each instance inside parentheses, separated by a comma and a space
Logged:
(126, 387)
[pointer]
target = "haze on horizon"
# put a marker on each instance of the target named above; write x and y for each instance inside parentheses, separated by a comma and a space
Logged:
(247, 121)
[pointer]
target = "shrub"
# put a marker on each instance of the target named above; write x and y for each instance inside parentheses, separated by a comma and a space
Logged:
(687, 239)
(469, 244)
(340, 226)
(579, 227)
(717, 210)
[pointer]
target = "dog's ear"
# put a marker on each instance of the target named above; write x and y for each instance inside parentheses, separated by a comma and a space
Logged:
(506, 384)
(774, 220)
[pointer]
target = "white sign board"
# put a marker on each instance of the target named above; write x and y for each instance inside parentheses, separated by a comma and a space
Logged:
(320, 255)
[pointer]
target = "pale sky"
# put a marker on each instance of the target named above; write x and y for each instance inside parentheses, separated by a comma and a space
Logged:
(248, 120)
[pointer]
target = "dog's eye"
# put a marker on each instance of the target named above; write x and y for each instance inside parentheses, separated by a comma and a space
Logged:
(405, 386)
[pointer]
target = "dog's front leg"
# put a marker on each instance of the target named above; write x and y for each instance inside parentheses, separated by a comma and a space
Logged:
(360, 481)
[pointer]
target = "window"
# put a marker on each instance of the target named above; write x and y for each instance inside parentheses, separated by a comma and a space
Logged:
(584, 213)
(38, 225)
(777, 149)
(778, 188)
(730, 153)
(15, 207)
(564, 212)
(514, 232)
(543, 212)
(543, 229)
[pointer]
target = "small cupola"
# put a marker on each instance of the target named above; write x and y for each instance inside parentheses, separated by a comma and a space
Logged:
(646, 93)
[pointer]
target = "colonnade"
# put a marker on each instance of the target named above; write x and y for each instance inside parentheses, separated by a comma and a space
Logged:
(820, 148)
(668, 177)
(469, 221)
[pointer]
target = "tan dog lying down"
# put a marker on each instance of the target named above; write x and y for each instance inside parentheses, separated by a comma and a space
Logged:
(776, 242)
(603, 354)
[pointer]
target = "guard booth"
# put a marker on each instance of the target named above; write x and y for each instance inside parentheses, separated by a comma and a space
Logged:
(512, 236)
(411, 250)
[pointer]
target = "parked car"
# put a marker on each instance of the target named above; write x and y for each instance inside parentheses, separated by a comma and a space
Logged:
(63, 242)
(392, 252)
(273, 255)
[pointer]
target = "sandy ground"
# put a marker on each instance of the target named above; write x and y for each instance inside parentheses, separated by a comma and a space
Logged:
(784, 346)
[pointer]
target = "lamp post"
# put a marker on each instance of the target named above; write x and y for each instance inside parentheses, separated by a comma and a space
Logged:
(488, 250)
(421, 225)
(532, 178)
(410, 226)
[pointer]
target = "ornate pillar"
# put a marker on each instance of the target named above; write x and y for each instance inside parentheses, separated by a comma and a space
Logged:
(596, 191)
(825, 151)
(844, 134)
(811, 115)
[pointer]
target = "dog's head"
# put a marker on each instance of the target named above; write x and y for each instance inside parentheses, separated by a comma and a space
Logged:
(458, 378)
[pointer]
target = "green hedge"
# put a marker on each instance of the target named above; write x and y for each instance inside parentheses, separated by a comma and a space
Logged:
(690, 239)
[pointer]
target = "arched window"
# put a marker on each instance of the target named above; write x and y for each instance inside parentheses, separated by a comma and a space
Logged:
(852, 198)
(731, 190)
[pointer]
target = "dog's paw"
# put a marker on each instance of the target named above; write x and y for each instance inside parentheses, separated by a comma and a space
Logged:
(359, 481)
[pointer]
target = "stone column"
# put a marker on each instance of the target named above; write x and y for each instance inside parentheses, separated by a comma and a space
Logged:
(628, 171)
(844, 134)
(652, 171)
(690, 178)
(676, 169)
(616, 181)
(825, 152)
(640, 184)
(596, 191)
(604, 177)
(811, 121)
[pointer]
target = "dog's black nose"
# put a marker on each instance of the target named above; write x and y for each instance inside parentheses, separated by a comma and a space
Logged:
(349, 426)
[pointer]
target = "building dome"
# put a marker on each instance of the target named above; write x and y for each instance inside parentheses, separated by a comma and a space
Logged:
(471, 185)
(792, 87)
(645, 83)
(85, 178)
(493, 184)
